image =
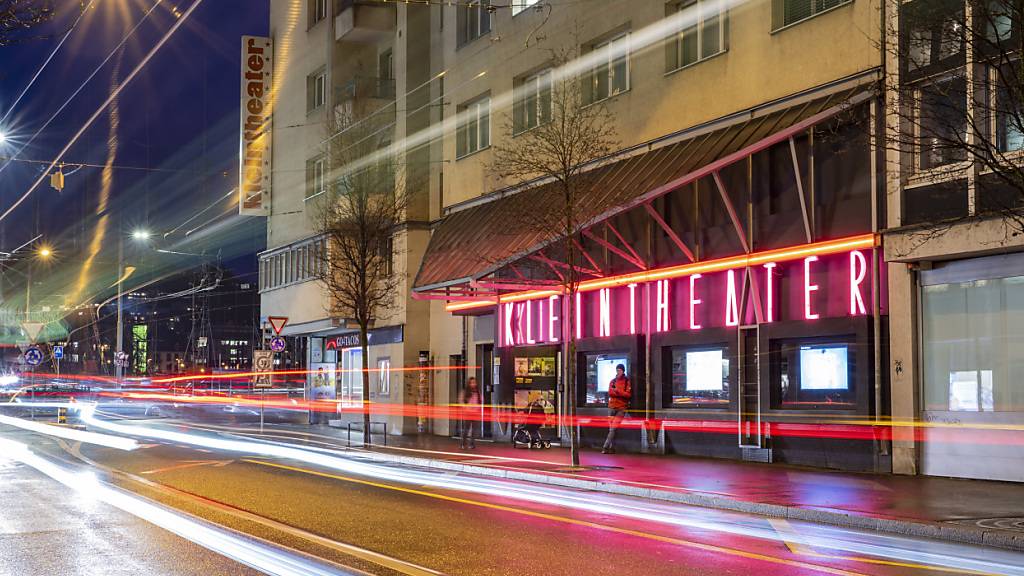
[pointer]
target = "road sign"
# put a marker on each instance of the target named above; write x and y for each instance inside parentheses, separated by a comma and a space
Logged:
(121, 359)
(58, 352)
(33, 356)
(277, 344)
(32, 329)
(262, 364)
(277, 323)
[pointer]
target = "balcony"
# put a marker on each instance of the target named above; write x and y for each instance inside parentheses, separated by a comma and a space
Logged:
(363, 22)
(363, 97)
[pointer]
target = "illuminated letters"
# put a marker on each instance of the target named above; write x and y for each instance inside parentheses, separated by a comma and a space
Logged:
(510, 339)
(769, 291)
(552, 318)
(858, 269)
(529, 323)
(519, 323)
(632, 308)
(604, 324)
(661, 308)
(732, 313)
(808, 288)
(694, 301)
(579, 317)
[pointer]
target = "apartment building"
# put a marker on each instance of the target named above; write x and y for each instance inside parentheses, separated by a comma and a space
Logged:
(733, 261)
(952, 238)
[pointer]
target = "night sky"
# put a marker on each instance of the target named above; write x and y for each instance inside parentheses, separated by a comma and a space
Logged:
(172, 138)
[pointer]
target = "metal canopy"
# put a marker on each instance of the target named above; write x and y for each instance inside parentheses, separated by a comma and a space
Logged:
(481, 251)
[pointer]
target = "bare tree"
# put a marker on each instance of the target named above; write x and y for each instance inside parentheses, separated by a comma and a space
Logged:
(559, 135)
(959, 103)
(361, 202)
(22, 20)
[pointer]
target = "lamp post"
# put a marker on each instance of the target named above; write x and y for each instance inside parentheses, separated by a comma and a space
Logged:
(139, 235)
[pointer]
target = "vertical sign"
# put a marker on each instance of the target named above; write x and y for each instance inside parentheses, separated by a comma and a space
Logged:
(254, 155)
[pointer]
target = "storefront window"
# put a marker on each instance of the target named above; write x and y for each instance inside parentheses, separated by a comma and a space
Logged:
(814, 374)
(700, 377)
(351, 378)
(973, 333)
(600, 371)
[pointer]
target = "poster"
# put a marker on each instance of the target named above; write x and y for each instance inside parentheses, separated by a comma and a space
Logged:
(322, 387)
(545, 398)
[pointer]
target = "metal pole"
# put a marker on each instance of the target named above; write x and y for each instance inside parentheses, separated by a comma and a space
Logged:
(263, 392)
(118, 368)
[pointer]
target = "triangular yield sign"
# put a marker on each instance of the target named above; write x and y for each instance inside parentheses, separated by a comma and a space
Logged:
(277, 323)
(32, 329)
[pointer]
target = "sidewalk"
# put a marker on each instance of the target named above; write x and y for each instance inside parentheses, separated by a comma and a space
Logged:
(968, 511)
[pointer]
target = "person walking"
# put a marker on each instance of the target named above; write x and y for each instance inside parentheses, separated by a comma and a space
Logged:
(471, 412)
(620, 390)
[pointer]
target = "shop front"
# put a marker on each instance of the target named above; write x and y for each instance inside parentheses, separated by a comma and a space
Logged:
(735, 274)
(758, 353)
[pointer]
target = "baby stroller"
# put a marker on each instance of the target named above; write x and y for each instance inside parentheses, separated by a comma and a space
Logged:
(528, 430)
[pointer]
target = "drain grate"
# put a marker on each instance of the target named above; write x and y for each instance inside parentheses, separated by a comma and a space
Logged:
(1012, 524)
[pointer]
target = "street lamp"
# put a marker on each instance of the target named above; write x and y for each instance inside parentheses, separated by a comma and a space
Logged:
(3, 137)
(44, 252)
(141, 234)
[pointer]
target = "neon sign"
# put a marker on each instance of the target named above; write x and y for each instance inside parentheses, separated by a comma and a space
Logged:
(809, 288)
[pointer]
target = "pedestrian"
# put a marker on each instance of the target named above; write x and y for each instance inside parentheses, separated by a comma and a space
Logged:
(471, 411)
(619, 392)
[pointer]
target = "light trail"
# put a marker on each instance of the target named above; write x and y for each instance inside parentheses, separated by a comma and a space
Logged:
(81, 86)
(46, 62)
(904, 549)
(113, 96)
(247, 550)
(118, 442)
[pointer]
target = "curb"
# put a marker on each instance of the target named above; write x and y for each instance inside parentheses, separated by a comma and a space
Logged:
(917, 528)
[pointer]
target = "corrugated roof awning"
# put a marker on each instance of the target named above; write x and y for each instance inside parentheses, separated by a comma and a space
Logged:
(485, 236)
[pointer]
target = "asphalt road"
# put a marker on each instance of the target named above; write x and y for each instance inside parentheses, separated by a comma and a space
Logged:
(372, 523)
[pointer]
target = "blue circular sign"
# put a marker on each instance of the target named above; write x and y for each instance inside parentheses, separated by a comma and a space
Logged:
(33, 356)
(277, 344)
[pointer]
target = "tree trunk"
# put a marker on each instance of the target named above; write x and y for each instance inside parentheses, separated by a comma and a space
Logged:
(366, 385)
(570, 364)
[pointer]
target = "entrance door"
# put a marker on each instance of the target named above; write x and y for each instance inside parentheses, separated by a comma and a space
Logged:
(749, 393)
(456, 386)
(485, 378)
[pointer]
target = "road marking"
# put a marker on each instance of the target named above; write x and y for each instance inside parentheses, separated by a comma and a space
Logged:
(574, 521)
(790, 536)
(190, 464)
(377, 558)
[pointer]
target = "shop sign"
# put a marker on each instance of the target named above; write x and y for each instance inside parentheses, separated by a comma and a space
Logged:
(388, 335)
(806, 289)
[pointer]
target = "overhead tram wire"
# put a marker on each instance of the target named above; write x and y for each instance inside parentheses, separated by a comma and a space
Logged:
(87, 165)
(128, 79)
(45, 63)
(82, 86)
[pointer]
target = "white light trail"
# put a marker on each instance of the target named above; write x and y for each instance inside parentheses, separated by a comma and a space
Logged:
(249, 551)
(113, 95)
(118, 442)
(883, 546)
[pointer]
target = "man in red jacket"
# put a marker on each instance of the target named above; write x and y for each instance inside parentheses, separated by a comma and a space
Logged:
(619, 392)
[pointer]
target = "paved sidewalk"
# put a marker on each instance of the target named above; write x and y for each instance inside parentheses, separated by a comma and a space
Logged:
(971, 511)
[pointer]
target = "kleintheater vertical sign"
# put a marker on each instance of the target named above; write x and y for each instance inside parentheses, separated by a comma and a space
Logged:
(254, 156)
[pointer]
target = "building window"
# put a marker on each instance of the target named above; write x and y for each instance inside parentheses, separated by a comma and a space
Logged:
(1008, 110)
(611, 75)
(787, 12)
(814, 374)
(532, 106)
(599, 371)
(384, 376)
(520, 5)
(387, 254)
(970, 334)
(474, 20)
(700, 377)
(316, 177)
(474, 131)
(702, 35)
(316, 90)
(318, 11)
(941, 123)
